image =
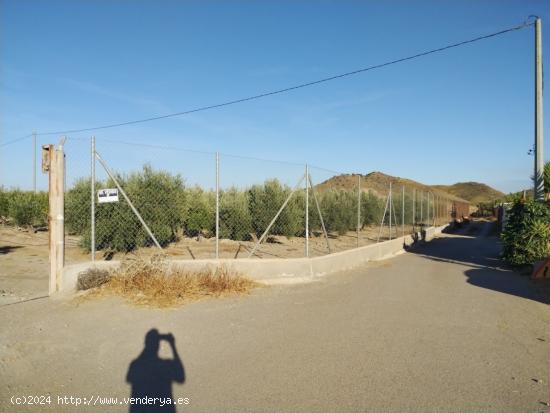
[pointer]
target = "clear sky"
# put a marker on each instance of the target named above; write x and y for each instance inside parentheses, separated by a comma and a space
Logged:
(462, 115)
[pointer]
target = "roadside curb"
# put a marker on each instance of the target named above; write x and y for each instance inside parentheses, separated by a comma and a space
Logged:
(276, 270)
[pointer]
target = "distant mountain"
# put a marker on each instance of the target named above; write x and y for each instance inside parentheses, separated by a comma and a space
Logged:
(379, 182)
(474, 192)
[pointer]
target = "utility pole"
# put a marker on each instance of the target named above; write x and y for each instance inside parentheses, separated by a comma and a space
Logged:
(539, 137)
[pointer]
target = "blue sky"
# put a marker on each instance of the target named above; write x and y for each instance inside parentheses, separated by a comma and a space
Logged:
(462, 115)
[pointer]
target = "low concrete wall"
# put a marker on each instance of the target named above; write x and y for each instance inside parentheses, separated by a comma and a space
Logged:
(278, 270)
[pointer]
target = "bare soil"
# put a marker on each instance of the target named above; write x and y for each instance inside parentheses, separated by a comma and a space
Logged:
(24, 265)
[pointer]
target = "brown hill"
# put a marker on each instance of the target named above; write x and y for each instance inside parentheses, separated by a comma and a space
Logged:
(474, 192)
(379, 182)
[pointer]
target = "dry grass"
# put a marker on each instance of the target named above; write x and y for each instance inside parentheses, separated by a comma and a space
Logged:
(92, 278)
(153, 282)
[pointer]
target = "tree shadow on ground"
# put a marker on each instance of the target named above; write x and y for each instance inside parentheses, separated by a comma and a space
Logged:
(151, 376)
(487, 270)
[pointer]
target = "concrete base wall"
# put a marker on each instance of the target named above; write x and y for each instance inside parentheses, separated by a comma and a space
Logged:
(278, 270)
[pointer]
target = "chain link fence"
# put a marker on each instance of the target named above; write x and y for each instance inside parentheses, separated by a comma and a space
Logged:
(123, 197)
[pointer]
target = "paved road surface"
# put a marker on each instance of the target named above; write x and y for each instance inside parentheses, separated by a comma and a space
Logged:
(441, 329)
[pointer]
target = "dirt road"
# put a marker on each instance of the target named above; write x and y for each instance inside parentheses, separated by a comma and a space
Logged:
(443, 328)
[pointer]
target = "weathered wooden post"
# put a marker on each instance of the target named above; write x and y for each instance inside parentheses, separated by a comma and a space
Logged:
(53, 163)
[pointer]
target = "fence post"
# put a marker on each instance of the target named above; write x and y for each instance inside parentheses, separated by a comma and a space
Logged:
(433, 210)
(319, 212)
(391, 205)
(440, 208)
(49, 164)
(358, 207)
(403, 211)
(34, 162)
(92, 199)
(307, 211)
(217, 205)
(428, 208)
(383, 218)
(436, 209)
(56, 217)
(421, 208)
(413, 210)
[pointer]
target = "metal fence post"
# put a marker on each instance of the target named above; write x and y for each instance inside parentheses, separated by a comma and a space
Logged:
(92, 199)
(391, 205)
(319, 212)
(433, 210)
(413, 209)
(403, 211)
(383, 218)
(307, 211)
(436, 209)
(428, 208)
(358, 207)
(34, 162)
(421, 208)
(217, 205)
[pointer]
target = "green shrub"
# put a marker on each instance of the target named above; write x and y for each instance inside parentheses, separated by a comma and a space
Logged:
(25, 207)
(169, 208)
(339, 209)
(526, 236)
(201, 215)
(4, 206)
(265, 200)
(372, 208)
(159, 197)
(77, 207)
(235, 219)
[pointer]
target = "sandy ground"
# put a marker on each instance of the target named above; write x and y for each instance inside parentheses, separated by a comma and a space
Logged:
(445, 328)
(24, 264)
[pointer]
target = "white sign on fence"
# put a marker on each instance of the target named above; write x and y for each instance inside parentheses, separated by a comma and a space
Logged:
(107, 195)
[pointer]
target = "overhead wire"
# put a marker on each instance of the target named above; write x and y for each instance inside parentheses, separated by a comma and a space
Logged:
(280, 91)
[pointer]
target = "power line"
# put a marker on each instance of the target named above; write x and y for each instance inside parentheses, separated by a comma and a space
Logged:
(16, 140)
(175, 148)
(288, 89)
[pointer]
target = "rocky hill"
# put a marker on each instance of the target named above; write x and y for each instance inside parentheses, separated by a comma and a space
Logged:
(474, 192)
(378, 183)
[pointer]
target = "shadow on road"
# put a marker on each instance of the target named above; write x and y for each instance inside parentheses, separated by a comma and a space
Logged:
(472, 247)
(151, 376)
(8, 248)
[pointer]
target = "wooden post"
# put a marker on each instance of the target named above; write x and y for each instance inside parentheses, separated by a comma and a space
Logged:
(55, 165)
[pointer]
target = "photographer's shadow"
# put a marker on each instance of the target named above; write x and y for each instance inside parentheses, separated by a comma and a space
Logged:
(151, 376)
